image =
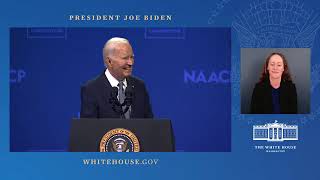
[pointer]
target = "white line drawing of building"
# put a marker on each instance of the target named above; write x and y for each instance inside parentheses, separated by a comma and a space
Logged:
(275, 132)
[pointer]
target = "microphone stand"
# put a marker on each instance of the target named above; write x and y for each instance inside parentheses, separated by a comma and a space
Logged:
(116, 105)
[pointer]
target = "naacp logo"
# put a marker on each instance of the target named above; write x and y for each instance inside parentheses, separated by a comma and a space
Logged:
(119, 140)
(275, 132)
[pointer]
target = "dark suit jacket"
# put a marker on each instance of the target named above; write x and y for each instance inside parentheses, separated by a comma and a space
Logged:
(261, 101)
(96, 93)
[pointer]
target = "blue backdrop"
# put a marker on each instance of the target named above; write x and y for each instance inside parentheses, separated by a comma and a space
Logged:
(254, 24)
(186, 70)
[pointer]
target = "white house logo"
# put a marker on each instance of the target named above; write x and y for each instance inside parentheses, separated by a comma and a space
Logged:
(275, 132)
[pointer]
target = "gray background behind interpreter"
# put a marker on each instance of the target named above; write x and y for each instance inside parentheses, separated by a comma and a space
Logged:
(252, 61)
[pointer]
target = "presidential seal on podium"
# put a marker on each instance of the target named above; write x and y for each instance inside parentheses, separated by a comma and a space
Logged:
(119, 140)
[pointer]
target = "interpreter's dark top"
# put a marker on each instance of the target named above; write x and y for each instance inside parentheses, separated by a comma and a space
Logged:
(265, 101)
(275, 101)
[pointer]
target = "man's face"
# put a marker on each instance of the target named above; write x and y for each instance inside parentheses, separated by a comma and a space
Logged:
(121, 61)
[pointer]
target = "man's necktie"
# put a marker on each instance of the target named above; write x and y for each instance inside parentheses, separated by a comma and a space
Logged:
(121, 98)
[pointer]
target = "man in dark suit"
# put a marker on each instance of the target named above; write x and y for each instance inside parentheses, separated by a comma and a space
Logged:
(102, 96)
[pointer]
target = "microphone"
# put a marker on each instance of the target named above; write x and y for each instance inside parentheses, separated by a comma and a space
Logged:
(114, 94)
(129, 93)
(119, 107)
(113, 100)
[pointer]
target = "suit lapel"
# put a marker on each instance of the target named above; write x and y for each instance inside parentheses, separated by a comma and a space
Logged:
(106, 89)
(131, 84)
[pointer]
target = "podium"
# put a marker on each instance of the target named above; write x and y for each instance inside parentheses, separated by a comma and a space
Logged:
(90, 135)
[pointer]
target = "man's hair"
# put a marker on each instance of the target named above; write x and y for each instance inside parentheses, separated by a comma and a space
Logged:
(285, 75)
(110, 47)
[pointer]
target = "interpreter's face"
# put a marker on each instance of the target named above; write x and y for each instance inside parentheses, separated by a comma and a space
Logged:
(121, 62)
(275, 67)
